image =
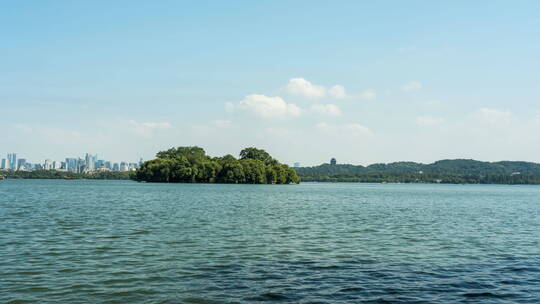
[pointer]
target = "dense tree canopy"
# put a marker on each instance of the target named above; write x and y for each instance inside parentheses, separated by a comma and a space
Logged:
(462, 171)
(192, 165)
(258, 154)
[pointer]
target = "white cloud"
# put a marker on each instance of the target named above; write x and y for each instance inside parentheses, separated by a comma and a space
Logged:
(267, 107)
(222, 123)
(368, 94)
(156, 125)
(337, 91)
(429, 121)
(327, 109)
(411, 86)
(494, 115)
(357, 129)
(354, 129)
(148, 128)
(324, 126)
(304, 88)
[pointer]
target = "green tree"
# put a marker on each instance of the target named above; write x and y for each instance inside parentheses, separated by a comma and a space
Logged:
(192, 154)
(271, 175)
(292, 176)
(258, 154)
(254, 171)
(232, 172)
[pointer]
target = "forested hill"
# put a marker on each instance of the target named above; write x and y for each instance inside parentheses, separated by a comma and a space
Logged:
(444, 171)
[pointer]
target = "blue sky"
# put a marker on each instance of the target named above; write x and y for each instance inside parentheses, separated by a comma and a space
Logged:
(306, 80)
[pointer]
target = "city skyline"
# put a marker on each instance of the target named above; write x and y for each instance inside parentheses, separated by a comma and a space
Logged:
(88, 163)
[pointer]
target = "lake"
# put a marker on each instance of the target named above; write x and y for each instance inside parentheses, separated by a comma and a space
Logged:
(86, 241)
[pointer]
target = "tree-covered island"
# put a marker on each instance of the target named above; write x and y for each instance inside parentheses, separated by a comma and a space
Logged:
(192, 165)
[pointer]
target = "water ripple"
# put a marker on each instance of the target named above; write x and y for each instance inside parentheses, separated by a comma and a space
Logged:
(125, 242)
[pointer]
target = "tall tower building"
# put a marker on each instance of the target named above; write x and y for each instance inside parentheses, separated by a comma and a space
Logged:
(80, 165)
(12, 158)
(90, 162)
(87, 160)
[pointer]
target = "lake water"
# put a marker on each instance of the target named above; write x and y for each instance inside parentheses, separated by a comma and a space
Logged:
(126, 242)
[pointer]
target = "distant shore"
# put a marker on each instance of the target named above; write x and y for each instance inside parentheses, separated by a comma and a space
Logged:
(453, 181)
(56, 174)
(456, 171)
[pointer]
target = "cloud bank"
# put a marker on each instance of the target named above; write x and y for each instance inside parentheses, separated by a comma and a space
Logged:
(300, 87)
(266, 107)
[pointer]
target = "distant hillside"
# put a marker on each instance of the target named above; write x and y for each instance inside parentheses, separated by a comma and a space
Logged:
(443, 171)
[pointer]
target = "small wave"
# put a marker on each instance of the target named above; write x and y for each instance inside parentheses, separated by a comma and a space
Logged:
(140, 232)
(201, 301)
(19, 301)
(351, 289)
(270, 296)
(66, 270)
(104, 248)
(486, 295)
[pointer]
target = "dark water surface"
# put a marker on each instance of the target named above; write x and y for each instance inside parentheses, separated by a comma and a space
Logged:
(126, 242)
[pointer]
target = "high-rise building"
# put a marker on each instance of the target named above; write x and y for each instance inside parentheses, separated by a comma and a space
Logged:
(100, 164)
(21, 163)
(12, 158)
(80, 165)
(71, 165)
(47, 165)
(296, 165)
(116, 167)
(4, 164)
(91, 162)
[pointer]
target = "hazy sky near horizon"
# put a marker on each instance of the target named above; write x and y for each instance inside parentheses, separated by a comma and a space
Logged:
(360, 81)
